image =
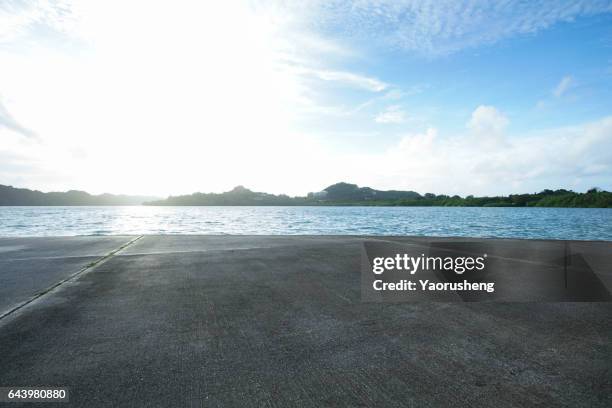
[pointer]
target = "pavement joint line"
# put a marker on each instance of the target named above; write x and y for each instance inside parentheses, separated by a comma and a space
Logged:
(86, 268)
(42, 258)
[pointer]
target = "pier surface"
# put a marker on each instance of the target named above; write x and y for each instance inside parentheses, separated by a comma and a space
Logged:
(278, 321)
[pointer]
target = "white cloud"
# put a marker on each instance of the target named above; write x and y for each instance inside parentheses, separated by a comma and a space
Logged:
(347, 78)
(17, 17)
(578, 157)
(563, 86)
(444, 26)
(391, 114)
(487, 121)
(9, 122)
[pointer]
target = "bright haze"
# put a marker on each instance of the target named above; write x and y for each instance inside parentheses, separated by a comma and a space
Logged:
(148, 97)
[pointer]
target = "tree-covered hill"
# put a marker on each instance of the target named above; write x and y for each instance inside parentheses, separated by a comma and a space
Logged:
(237, 196)
(346, 194)
(22, 196)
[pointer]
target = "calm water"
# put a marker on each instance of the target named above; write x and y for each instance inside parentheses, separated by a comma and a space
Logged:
(559, 223)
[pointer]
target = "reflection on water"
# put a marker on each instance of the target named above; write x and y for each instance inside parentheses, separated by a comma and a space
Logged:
(559, 223)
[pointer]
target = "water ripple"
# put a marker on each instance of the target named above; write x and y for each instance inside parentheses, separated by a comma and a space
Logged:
(543, 223)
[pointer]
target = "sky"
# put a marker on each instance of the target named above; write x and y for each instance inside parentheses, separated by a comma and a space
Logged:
(172, 97)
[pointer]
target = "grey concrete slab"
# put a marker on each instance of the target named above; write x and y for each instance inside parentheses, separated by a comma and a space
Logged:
(278, 321)
(598, 255)
(30, 265)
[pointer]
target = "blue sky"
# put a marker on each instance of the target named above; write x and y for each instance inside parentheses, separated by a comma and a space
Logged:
(519, 75)
(469, 97)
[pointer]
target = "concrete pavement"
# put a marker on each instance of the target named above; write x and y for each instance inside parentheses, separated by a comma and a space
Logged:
(278, 321)
(29, 266)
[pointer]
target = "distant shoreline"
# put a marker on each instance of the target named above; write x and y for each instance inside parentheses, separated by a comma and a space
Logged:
(336, 195)
(353, 205)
